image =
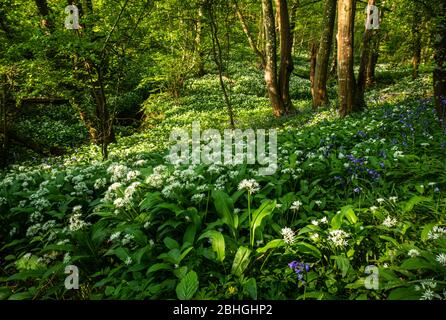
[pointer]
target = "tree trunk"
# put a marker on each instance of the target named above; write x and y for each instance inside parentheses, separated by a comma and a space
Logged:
(319, 89)
(416, 45)
(313, 57)
(346, 76)
(251, 42)
(44, 11)
(293, 14)
(440, 64)
(4, 26)
(286, 59)
(216, 48)
(366, 63)
(271, 58)
(198, 43)
(334, 62)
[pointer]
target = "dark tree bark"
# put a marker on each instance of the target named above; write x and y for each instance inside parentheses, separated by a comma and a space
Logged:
(313, 57)
(286, 59)
(366, 63)
(319, 89)
(295, 4)
(440, 63)
(271, 58)
(44, 11)
(416, 45)
(251, 41)
(198, 42)
(216, 48)
(5, 26)
(334, 62)
(346, 76)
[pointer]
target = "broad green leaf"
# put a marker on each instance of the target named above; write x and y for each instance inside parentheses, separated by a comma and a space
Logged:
(188, 286)
(159, 266)
(250, 287)
(416, 264)
(217, 241)
(171, 243)
(413, 202)
(225, 208)
(390, 239)
(241, 261)
(304, 247)
(276, 243)
(404, 294)
(425, 232)
(336, 222)
(349, 214)
(21, 296)
(342, 263)
(266, 208)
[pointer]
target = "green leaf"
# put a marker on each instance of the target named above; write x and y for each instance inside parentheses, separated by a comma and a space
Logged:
(188, 286)
(21, 296)
(390, 239)
(414, 201)
(159, 266)
(266, 208)
(5, 292)
(336, 222)
(218, 243)
(309, 249)
(184, 254)
(342, 263)
(189, 234)
(276, 243)
(404, 294)
(417, 264)
(426, 229)
(171, 243)
(250, 287)
(241, 261)
(350, 214)
(225, 208)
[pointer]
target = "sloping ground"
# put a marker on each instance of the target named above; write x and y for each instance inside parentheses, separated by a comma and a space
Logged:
(348, 193)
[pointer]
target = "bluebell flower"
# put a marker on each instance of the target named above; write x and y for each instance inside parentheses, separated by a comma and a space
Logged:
(299, 268)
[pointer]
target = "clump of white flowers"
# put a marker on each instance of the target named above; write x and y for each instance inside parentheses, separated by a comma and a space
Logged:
(132, 175)
(115, 236)
(117, 171)
(393, 199)
(100, 183)
(128, 261)
(197, 198)
(338, 238)
(436, 233)
(380, 200)
(296, 205)
(76, 223)
(140, 163)
(390, 222)
(127, 239)
(155, 180)
(441, 259)
(288, 235)
(249, 184)
(413, 253)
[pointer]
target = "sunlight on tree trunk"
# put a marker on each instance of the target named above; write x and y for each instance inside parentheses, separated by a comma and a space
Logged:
(346, 77)
(319, 88)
